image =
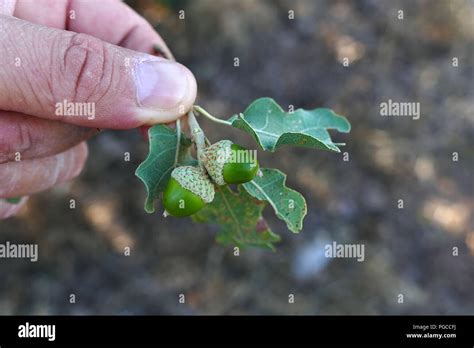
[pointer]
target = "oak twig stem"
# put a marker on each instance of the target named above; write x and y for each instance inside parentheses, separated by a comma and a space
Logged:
(178, 141)
(198, 136)
(206, 114)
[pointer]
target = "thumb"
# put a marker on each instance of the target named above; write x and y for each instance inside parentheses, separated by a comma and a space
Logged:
(79, 79)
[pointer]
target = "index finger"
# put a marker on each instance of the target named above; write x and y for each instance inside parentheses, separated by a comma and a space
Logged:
(108, 20)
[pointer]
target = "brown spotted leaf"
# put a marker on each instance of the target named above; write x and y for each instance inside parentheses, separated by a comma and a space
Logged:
(240, 219)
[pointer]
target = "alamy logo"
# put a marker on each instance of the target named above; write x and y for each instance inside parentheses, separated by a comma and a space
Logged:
(394, 108)
(66, 108)
(229, 155)
(37, 331)
(336, 250)
(19, 251)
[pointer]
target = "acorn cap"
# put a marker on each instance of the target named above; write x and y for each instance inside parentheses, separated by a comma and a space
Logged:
(195, 180)
(214, 159)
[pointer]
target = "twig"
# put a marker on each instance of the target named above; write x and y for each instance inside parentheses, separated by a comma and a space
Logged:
(203, 112)
(178, 141)
(198, 136)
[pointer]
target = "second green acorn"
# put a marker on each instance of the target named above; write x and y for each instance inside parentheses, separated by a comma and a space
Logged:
(229, 163)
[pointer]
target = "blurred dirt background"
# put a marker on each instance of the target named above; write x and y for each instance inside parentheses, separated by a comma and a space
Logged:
(407, 251)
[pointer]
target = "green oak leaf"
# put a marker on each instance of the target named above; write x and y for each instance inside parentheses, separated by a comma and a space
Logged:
(272, 127)
(239, 217)
(155, 171)
(13, 200)
(289, 205)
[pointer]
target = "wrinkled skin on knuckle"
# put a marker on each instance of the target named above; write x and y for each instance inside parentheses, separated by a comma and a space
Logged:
(84, 72)
(32, 176)
(17, 140)
(23, 74)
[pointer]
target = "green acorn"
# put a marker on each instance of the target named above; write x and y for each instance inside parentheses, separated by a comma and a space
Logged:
(187, 191)
(229, 163)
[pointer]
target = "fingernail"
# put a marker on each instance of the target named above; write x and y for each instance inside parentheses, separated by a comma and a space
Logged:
(161, 84)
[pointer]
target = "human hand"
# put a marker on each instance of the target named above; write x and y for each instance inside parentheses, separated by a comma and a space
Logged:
(85, 54)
